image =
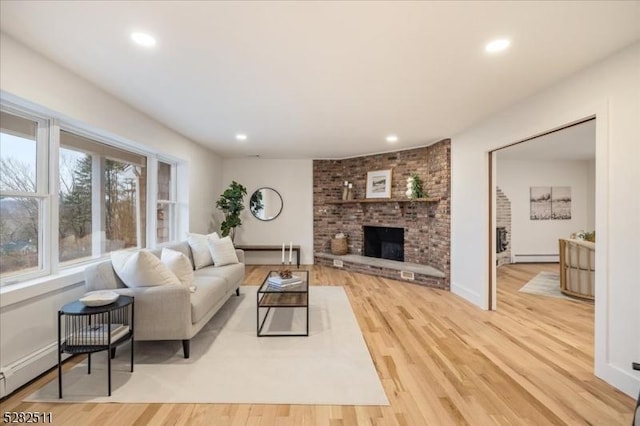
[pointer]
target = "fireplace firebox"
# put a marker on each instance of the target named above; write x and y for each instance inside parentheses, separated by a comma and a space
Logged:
(384, 242)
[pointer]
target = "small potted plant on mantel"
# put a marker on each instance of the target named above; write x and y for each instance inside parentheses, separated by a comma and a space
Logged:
(414, 187)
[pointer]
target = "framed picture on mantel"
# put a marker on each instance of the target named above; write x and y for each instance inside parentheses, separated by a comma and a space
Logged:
(379, 184)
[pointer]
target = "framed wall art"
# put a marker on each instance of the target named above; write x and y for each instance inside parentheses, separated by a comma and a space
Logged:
(379, 184)
(550, 202)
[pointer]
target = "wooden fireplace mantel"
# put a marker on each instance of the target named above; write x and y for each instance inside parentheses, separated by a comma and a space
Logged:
(384, 200)
(401, 202)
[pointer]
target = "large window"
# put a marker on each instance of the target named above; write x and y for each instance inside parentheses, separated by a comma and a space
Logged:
(22, 194)
(92, 201)
(101, 199)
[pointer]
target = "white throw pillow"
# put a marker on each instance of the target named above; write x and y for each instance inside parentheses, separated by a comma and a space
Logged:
(200, 249)
(180, 265)
(223, 251)
(141, 269)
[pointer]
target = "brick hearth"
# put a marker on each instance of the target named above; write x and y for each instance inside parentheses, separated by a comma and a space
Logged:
(426, 224)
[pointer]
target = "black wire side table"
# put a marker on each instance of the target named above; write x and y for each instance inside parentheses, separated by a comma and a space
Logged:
(84, 330)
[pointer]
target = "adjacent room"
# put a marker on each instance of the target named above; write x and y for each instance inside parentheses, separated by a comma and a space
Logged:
(545, 211)
(325, 212)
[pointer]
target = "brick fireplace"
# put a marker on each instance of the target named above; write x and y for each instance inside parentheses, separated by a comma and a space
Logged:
(426, 225)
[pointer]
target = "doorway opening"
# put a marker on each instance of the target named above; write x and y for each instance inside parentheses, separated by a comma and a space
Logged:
(541, 190)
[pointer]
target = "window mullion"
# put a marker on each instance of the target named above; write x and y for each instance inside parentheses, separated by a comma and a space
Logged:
(51, 220)
(98, 218)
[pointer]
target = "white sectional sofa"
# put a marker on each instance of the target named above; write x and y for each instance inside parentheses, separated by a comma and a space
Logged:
(172, 312)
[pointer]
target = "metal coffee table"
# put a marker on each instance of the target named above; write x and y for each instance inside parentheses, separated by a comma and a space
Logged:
(271, 297)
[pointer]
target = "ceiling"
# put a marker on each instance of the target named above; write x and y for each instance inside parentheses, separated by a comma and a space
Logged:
(321, 79)
(577, 142)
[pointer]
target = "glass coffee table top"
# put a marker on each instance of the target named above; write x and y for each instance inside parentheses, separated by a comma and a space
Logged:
(300, 285)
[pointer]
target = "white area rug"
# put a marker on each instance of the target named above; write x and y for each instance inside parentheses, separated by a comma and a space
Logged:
(545, 284)
(229, 364)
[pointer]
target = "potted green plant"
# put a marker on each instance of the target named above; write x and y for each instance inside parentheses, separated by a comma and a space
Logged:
(414, 187)
(231, 202)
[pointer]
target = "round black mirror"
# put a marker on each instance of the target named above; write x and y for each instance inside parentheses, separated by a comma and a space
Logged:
(265, 204)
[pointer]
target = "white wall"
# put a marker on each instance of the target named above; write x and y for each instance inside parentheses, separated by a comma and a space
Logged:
(293, 179)
(611, 91)
(540, 237)
(27, 318)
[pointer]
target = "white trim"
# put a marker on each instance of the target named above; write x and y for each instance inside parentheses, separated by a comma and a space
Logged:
(16, 293)
(602, 344)
(152, 195)
(42, 193)
(153, 201)
(53, 215)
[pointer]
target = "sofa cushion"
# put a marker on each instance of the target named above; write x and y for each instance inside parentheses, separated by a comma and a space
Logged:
(222, 251)
(141, 269)
(200, 249)
(180, 265)
(232, 274)
(101, 276)
(210, 291)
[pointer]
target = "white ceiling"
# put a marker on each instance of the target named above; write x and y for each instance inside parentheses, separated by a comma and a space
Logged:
(321, 79)
(572, 143)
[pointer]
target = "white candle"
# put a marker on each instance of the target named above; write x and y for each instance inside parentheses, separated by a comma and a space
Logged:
(290, 250)
(282, 252)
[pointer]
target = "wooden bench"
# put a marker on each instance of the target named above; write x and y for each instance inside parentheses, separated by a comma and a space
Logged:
(252, 247)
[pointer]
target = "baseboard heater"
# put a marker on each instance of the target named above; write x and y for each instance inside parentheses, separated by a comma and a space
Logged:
(26, 369)
(535, 258)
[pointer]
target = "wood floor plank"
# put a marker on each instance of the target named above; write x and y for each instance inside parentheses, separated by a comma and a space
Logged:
(441, 361)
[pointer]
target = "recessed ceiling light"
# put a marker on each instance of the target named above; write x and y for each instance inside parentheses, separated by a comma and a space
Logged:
(392, 138)
(143, 39)
(241, 137)
(498, 45)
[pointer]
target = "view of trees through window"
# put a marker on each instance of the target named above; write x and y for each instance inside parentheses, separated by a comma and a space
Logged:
(20, 206)
(98, 217)
(101, 198)
(75, 205)
(76, 219)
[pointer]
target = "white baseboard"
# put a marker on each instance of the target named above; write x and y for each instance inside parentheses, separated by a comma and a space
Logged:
(26, 369)
(535, 258)
(622, 379)
(469, 295)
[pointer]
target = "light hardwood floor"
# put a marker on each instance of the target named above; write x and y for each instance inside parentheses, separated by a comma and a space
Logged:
(441, 360)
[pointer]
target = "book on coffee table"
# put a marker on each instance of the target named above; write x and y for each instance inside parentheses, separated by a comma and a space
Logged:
(283, 281)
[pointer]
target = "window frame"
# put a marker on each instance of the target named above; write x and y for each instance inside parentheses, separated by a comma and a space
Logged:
(172, 201)
(42, 193)
(50, 124)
